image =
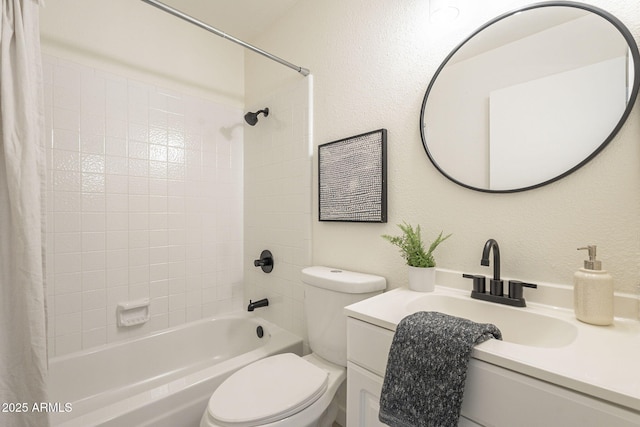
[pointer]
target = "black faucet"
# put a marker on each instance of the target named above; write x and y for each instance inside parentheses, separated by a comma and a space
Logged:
(496, 292)
(257, 304)
(495, 284)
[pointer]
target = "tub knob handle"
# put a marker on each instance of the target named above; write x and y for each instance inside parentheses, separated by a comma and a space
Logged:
(265, 262)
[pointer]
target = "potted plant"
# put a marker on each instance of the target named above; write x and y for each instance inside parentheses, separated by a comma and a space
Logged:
(421, 262)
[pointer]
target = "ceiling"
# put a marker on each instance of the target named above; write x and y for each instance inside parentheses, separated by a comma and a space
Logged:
(242, 19)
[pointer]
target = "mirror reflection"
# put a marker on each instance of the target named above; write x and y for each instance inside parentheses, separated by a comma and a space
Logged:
(530, 97)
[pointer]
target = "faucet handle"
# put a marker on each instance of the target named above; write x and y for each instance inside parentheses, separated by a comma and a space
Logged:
(515, 288)
(479, 282)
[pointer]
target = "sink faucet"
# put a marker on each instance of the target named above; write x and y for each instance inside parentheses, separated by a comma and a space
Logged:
(496, 293)
(495, 286)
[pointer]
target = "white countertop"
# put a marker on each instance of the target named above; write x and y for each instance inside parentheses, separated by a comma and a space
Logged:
(602, 361)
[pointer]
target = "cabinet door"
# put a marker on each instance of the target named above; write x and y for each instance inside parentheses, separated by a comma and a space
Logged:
(363, 397)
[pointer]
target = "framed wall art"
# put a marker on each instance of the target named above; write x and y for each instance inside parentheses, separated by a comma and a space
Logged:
(352, 176)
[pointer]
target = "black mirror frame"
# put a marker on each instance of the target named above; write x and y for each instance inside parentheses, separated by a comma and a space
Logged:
(633, 48)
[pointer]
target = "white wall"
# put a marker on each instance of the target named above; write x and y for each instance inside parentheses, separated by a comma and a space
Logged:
(135, 39)
(371, 62)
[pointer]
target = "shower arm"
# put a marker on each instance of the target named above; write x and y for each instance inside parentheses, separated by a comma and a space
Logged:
(192, 20)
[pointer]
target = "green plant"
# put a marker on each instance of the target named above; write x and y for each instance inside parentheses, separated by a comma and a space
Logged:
(412, 247)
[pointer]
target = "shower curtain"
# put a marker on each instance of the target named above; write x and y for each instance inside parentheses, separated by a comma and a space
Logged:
(23, 337)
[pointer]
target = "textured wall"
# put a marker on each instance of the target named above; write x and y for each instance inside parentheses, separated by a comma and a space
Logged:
(371, 62)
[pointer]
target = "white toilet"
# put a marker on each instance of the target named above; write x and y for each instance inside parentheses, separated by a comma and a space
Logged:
(287, 390)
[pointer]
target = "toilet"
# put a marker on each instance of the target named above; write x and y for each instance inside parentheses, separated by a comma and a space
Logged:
(287, 390)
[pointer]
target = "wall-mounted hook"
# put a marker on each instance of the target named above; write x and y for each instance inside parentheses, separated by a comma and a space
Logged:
(265, 262)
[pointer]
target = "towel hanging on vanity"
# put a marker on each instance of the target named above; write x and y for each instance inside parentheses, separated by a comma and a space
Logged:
(427, 368)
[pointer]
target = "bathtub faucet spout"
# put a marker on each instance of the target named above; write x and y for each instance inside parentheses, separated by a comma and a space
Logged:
(257, 304)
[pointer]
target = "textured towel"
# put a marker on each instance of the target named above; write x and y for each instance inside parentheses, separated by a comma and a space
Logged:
(427, 368)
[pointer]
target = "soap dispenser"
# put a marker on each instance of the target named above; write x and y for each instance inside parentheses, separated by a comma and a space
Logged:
(593, 291)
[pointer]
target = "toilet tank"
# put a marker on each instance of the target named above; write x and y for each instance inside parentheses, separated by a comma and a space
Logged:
(326, 292)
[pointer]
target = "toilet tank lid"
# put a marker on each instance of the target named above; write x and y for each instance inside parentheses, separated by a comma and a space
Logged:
(339, 280)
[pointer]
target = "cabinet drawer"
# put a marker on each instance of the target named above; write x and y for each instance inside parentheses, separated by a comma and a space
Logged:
(368, 345)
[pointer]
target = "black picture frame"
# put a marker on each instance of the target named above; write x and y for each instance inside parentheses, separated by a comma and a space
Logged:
(352, 178)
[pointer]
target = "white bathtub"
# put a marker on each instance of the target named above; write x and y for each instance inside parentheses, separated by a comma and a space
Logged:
(162, 379)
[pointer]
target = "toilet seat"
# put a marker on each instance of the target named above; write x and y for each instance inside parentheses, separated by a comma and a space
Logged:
(266, 391)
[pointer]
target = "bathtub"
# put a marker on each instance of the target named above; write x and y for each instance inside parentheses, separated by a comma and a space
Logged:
(161, 379)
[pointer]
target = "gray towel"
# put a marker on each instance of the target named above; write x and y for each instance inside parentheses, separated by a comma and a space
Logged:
(427, 368)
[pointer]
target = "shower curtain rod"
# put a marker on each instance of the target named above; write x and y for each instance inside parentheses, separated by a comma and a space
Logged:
(192, 20)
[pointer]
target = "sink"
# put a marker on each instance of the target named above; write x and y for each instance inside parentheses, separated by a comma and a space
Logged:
(518, 325)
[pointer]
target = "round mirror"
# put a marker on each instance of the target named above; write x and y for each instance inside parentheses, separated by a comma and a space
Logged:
(530, 97)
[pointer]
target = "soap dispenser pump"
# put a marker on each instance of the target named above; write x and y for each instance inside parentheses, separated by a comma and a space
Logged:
(593, 291)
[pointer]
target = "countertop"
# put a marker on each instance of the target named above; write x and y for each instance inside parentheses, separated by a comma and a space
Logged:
(602, 361)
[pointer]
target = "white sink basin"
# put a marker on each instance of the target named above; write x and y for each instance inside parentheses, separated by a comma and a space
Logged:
(518, 325)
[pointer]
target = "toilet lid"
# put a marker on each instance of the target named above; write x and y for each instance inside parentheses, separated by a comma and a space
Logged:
(267, 391)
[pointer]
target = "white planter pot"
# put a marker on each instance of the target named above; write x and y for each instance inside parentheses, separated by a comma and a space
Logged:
(422, 279)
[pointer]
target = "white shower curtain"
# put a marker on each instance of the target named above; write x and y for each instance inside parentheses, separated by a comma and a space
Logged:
(23, 336)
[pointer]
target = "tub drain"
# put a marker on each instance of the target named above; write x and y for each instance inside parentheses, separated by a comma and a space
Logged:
(259, 331)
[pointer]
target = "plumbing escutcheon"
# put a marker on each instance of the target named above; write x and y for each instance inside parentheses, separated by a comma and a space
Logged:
(265, 262)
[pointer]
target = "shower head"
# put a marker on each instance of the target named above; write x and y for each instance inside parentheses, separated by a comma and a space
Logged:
(252, 118)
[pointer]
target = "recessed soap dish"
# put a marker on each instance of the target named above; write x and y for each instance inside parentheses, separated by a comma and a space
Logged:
(131, 313)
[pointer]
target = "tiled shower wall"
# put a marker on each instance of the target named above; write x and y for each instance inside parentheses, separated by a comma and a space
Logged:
(278, 202)
(145, 200)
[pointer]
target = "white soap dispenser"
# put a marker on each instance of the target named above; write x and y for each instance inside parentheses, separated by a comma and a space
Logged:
(593, 291)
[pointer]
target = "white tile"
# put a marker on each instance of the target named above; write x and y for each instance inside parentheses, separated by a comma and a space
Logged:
(93, 182)
(67, 283)
(139, 239)
(139, 291)
(115, 146)
(93, 202)
(139, 257)
(177, 302)
(93, 280)
(94, 163)
(115, 128)
(94, 260)
(139, 203)
(117, 258)
(66, 97)
(66, 344)
(94, 337)
(159, 288)
(66, 181)
(158, 271)
(117, 184)
(158, 135)
(68, 303)
(93, 221)
(67, 201)
(92, 143)
(138, 167)
(117, 221)
(64, 118)
(67, 242)
(67, 263)
(177, 317)
(93, 300)
(139, 274)
(117, 277)
(116, 202)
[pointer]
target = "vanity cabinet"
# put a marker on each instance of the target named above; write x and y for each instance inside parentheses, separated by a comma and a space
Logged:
(493, 396)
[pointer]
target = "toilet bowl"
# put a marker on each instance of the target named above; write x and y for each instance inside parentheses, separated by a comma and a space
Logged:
(287, 390)
(284, 390)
